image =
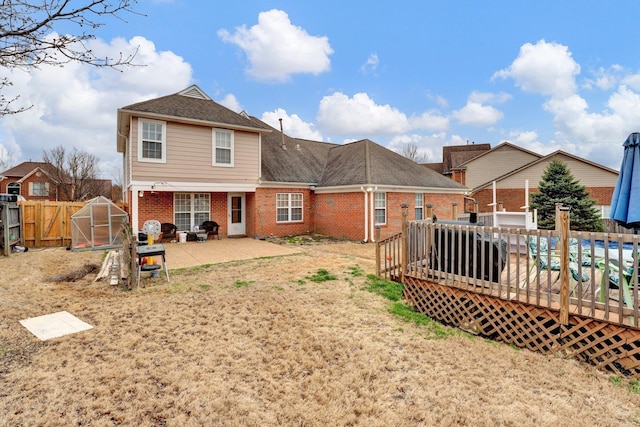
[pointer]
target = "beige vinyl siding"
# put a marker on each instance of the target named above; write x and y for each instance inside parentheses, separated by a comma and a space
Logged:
(588, 175)
(494, 164)
(189, 157)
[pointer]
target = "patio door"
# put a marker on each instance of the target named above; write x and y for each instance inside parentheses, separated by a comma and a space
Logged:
(236, 214)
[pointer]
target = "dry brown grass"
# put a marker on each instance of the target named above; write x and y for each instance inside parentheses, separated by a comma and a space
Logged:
(257, 343)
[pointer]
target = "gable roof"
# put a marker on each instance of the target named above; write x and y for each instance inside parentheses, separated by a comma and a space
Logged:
(303, 161)
(455, 155)
(500, 147)
(543, 159)
(326, 164)
(367, 163)
(23, 169)
(190, 105)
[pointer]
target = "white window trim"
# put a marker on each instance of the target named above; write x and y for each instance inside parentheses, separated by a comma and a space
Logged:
(192, 209)
(419, 207)
(32, 190)
(290, 208)
(213, 146)
(376, 208)
(163, 141)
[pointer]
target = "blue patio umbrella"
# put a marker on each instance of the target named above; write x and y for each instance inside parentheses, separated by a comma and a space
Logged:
(625, 203)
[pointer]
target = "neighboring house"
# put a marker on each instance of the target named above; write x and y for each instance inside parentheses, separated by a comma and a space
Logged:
(454, 155)
(29, 180)
(188, 159)
(513, 168)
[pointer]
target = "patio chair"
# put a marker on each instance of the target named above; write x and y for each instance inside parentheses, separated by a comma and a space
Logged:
(168, 230)
(152, 228)
(612, 274)
(547, 258)
(211, 227)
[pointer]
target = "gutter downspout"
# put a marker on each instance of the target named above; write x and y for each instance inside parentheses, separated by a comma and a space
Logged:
(372, 214)
(366, 215)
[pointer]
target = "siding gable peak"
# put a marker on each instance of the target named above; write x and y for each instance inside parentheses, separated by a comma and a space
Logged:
(194, 91)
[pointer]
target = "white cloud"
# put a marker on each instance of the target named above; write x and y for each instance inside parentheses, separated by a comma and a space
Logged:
(231, 102)
(292, 125)
(371, 65)
(545, 68)
(549, 69)
(276, 48)
(476, 114)
(360, 115)
(79, 109)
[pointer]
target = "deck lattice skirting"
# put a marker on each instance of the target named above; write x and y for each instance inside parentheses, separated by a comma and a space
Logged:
(521, 304)
(602, 344)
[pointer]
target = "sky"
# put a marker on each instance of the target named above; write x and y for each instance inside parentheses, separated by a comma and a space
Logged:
(543, 75)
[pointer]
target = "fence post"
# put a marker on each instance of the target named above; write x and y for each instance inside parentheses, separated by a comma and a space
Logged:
(454, 211)
(563, 219)
(405, 241)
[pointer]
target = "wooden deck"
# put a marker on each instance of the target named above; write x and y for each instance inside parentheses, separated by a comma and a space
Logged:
(466, 277)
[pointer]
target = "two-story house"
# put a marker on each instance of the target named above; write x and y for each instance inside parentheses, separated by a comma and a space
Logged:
(187, 159)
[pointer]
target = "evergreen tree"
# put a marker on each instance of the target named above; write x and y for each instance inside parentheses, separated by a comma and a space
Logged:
(559, 186)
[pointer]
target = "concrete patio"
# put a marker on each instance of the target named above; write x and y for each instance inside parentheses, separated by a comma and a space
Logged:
(191, 254)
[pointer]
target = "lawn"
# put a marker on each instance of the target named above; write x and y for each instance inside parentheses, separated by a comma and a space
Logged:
(309, 339)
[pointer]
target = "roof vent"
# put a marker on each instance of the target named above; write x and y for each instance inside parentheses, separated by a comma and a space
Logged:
(284, 146)
(194, 91)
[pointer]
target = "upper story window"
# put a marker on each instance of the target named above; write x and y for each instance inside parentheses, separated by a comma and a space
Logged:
(152, 143)
(380, 202)
(288, 207)
(39, 189)
(222, 147)
(419, 206)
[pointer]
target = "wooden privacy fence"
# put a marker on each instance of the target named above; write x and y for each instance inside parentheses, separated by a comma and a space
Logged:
(46, 224)
(558, 291)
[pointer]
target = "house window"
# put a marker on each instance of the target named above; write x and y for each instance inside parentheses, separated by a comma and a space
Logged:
(13, 188)
(39, 189)
(380, 202)
(222, 147)
(152, 145)
(191, 210)
(419, 206)
(288, 207)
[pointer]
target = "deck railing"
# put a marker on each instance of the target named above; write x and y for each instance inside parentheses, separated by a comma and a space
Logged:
(585, 273)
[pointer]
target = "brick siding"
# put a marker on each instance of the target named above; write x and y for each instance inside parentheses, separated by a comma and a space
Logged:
(338, 214)
(514, 198)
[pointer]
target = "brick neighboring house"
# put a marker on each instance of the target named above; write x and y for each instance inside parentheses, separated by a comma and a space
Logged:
(511, 166)
(187, 159)
(30, 180)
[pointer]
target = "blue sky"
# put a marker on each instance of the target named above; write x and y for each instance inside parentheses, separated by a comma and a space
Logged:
(544, 75)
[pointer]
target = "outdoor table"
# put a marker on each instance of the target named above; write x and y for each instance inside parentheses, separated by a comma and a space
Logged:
(148, 251)
(198, 236)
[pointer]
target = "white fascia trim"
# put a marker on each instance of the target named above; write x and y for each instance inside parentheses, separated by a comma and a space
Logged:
(193, 187)
(391, 189)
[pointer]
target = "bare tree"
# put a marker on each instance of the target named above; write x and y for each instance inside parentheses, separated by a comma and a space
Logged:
(116, 189)
(26, 41)
(7, 159)
(75, 174)
(410, 151)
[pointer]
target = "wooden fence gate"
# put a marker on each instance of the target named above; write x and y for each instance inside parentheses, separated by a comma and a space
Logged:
(46, 224)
